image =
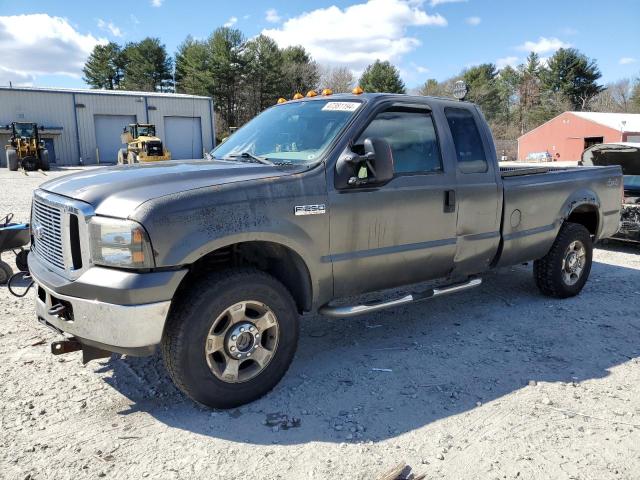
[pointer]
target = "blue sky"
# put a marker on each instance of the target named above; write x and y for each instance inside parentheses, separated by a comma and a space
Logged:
(425, 39)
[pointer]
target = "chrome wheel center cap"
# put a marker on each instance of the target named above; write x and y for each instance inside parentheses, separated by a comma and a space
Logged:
(242, 339)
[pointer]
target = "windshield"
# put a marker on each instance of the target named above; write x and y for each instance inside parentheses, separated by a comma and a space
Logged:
(296, 132)
(24, 130)
(146, 131)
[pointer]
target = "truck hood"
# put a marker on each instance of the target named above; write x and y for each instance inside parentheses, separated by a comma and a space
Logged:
(117, 191)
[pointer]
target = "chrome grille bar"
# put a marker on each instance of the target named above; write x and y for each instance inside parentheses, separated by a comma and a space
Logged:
(50, 219)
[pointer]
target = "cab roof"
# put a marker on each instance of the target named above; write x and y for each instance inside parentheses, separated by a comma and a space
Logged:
(372, 97)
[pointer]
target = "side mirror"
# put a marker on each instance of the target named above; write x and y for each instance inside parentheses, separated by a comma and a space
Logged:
(375, 167)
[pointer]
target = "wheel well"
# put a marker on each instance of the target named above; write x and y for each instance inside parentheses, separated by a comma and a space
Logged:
(278, 260)
(587, 216)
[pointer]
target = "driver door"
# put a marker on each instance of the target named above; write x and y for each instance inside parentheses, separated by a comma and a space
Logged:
(404, 231)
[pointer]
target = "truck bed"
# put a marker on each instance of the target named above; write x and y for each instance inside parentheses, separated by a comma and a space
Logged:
(536, 200)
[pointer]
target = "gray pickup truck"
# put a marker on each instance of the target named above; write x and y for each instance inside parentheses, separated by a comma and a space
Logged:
(313, 202)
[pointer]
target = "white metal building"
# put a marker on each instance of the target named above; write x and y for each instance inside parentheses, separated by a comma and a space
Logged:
(84, 126)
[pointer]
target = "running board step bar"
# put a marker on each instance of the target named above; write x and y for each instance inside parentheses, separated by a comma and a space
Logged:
(353, 310)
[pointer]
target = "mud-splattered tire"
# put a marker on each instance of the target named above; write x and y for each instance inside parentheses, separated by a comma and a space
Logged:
(197, 343)
(563, 272)
(132, 158)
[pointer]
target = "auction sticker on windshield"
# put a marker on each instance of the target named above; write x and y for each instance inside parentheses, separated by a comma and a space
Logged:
(341, 106)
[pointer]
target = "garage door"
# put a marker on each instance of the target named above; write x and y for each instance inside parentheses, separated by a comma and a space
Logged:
(108, 131)
(183, 137)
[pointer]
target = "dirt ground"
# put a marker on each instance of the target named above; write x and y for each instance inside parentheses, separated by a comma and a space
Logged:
(496, 383)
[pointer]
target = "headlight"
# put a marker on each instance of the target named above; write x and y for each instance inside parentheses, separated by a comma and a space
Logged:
(119, 243)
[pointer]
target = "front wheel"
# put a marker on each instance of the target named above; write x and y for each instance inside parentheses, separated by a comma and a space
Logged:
(12, 160)
(563, 272)
(230, 339)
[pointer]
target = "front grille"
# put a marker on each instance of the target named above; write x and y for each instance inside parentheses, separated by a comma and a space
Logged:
(46, 228)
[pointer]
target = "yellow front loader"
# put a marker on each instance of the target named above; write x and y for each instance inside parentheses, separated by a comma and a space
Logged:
(25, 149)
(142, 145)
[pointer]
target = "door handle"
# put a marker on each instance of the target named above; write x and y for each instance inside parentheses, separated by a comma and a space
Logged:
(449, 201)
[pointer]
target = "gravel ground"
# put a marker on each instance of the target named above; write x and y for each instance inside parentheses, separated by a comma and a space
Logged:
(499, 382)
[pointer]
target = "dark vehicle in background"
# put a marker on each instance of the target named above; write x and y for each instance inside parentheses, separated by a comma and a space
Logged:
(313, 201)
(627, 156)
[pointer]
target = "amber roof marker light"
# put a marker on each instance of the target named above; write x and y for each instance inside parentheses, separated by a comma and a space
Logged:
(312, 93)
(327, 91)
(357, 91)
(298, 96)
(282, 100)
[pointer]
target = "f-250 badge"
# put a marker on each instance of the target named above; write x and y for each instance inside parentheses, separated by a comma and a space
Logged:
(310, 209)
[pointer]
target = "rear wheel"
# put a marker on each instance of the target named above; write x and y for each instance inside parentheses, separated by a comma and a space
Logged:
(231, 339)
(122, 155)
(12, 160)
(564, 271)
(44, 160)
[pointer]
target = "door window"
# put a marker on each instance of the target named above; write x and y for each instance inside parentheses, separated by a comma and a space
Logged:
(466, 138)
(411, 136)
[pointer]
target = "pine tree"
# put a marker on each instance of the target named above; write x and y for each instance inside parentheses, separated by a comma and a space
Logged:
(382, 77)
(103, 68)
(573, 75)
(147, 66)
(262, 76)
(192, 68)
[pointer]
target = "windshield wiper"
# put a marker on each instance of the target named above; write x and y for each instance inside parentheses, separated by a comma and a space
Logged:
(249, 155)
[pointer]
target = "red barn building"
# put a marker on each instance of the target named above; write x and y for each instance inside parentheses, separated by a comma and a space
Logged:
(570, 133)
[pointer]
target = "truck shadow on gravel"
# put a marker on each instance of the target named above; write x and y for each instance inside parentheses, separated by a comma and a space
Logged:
(385, 374)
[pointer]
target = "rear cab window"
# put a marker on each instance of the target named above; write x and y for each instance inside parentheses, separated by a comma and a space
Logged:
(470, 153)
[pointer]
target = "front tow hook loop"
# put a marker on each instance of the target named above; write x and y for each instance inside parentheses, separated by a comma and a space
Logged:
(57, 310)
(65, 346)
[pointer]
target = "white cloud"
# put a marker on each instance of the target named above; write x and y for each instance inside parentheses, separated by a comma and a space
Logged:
(627, 60)
(39, 44)
(156, 3)
(15, 77)
(357, 35)
(231, 22)
(109, 27)
(507, 61)
(435, 3)
(473, 21)
(544, 45)
(272, 16)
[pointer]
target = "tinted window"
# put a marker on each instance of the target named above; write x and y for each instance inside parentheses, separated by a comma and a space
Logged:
(467, 140)
(412, 138)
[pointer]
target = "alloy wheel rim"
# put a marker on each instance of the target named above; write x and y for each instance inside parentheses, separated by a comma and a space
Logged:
(242, 341)
(573, 262)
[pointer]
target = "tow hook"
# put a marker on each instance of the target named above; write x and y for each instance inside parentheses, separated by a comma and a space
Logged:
(57, 310)
(72, 345)
(65, 346)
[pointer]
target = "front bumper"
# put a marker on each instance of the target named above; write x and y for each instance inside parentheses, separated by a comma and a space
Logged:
(94, 318)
